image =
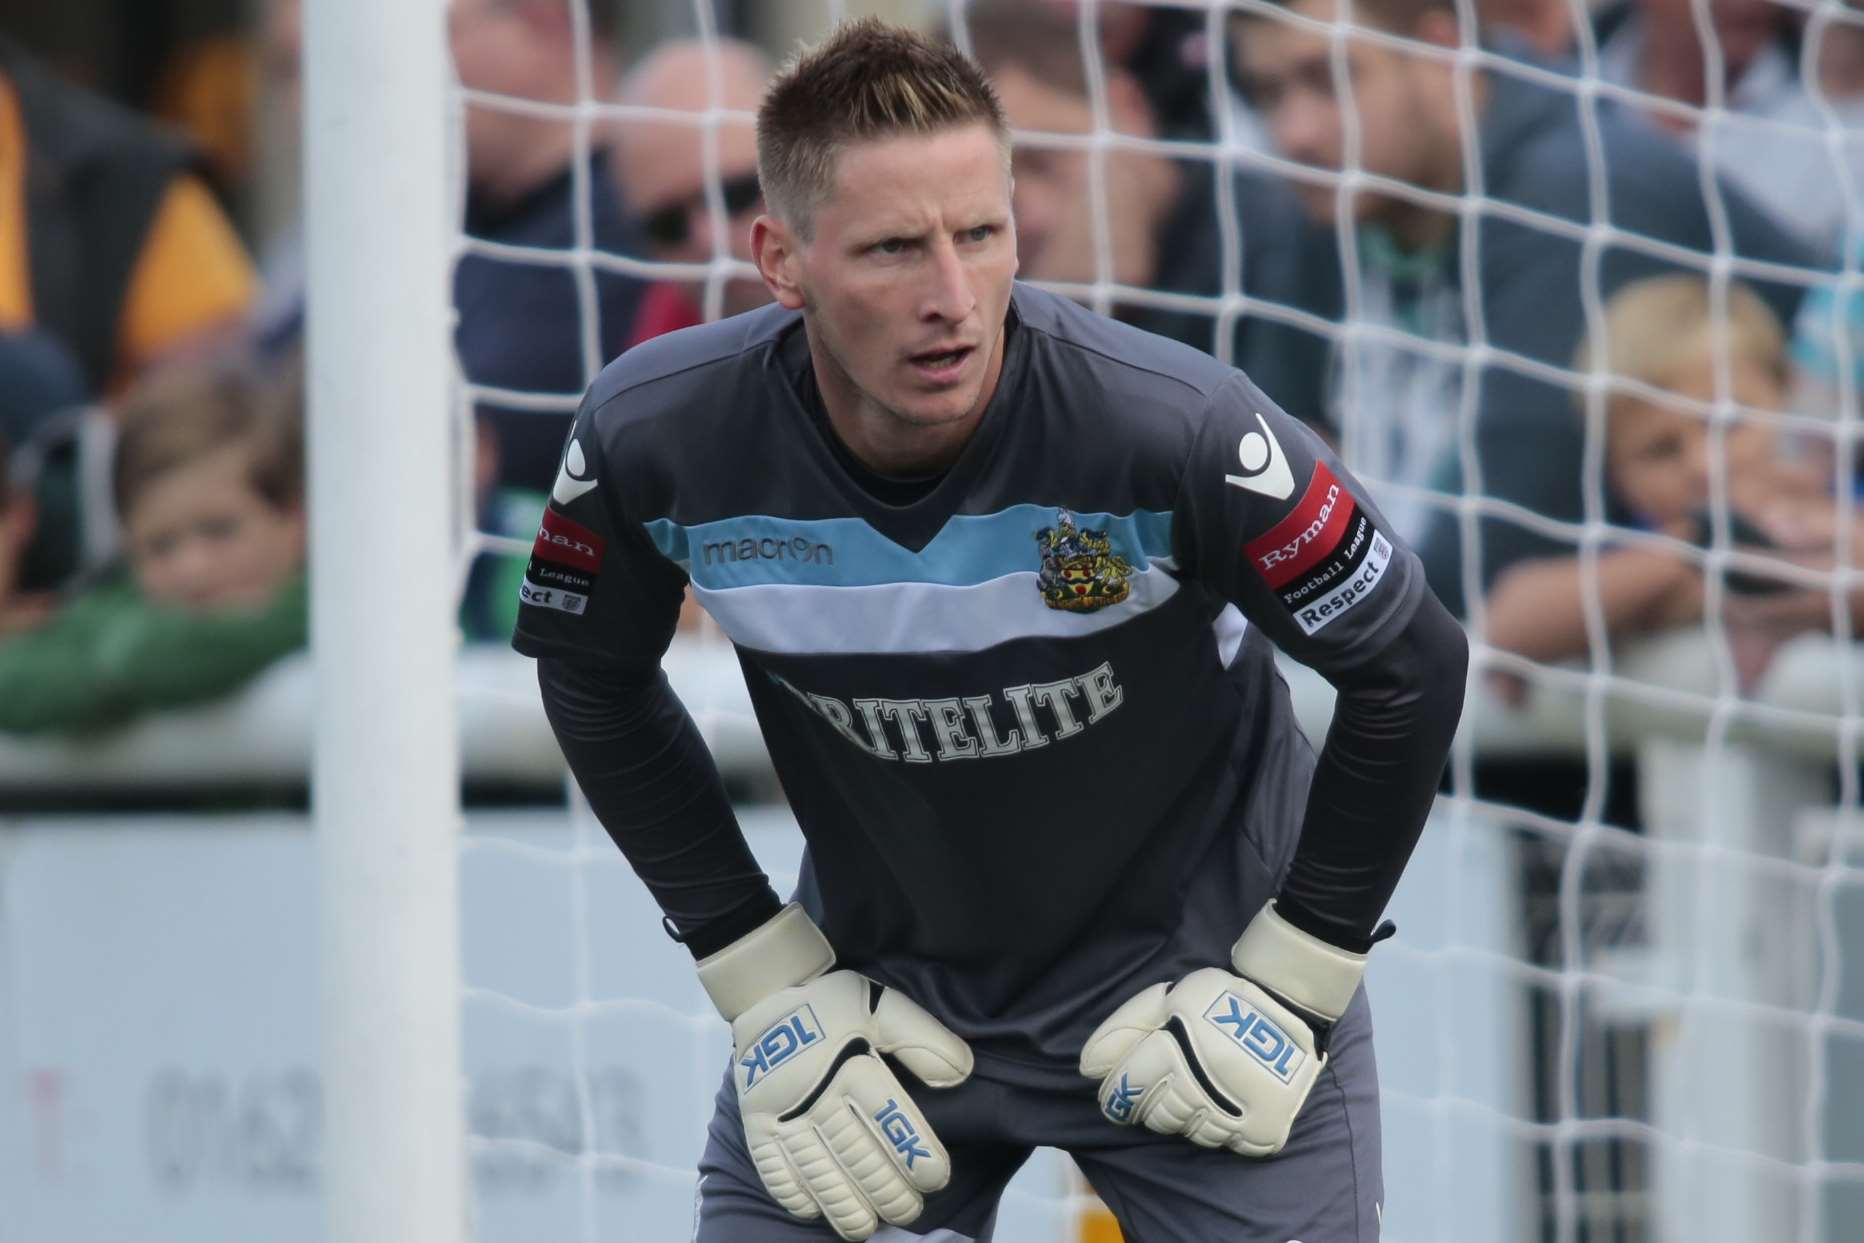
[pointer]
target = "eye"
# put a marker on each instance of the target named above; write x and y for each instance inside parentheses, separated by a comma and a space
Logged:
(892, 246)
(1263, 93)
(979, 233)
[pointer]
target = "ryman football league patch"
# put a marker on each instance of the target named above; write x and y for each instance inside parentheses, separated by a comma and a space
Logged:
(1323, 558)
(564, 562)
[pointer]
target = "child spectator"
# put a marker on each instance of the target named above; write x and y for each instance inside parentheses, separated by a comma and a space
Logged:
(1663, 334)
(208, 483)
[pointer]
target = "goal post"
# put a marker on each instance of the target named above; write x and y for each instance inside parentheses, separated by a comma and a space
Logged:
(382, 488)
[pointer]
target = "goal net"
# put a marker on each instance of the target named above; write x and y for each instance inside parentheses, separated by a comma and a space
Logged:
(1625, 1003)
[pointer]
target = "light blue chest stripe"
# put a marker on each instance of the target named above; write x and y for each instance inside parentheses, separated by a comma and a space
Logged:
(847, 552)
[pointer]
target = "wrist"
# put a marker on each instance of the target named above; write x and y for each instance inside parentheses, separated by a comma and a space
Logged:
(784, 951)
(704, 940)
(1313, 974)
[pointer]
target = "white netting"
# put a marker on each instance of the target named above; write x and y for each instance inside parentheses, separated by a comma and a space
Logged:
(1607, 1018)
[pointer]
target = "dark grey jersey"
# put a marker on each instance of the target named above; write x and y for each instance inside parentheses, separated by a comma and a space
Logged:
(1029, 719)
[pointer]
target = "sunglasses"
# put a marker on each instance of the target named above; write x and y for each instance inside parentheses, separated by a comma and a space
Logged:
(672, 225)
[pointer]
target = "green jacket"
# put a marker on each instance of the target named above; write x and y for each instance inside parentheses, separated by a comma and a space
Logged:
(110, 655)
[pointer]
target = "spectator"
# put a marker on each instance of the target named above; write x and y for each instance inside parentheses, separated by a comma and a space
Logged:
(1828, 348)
(1394, 395)
(1767, 136)
(1666, 334)
(38, 379)
(520, 321)
(18, 516)
(208, 480)
(124, 256)
(1166, 53)
(666, 166)
(1545, 26)
(1163, 229)
(42, 395)
(489, 604)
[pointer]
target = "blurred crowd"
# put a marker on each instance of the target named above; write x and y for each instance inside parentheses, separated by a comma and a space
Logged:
(1593, 348)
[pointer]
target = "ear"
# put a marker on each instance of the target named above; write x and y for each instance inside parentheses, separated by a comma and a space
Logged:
(774, 250)
(1127, 106)
(297, 527)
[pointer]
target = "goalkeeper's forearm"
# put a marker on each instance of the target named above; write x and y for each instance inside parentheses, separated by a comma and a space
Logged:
(1375, 779)
(651, 782)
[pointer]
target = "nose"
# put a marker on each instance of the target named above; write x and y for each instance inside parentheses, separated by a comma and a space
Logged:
(1306, 129)
(948, 294)
(193, 569)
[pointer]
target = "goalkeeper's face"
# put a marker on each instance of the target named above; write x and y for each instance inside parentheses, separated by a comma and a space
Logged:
(904, 281)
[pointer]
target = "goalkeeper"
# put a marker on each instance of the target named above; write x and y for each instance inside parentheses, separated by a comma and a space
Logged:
(1005, 579)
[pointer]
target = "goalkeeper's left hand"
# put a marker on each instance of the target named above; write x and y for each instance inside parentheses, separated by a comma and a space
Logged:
(1227, 1060)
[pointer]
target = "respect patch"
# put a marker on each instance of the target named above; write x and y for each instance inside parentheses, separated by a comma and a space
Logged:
(1324, 557)
(572, 602)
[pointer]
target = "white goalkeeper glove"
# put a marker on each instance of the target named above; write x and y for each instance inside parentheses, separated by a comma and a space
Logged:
(1227, 1060)
(829, 1127)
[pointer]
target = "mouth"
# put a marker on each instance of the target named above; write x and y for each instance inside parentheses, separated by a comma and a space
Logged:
(942, 366)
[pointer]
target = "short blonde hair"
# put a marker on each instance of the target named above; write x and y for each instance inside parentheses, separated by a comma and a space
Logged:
(1656, 327)
(867, 80)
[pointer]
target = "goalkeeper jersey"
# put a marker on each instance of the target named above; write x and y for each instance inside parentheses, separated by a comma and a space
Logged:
(1026, 713)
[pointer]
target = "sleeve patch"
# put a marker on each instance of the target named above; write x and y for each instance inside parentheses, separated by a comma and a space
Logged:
(1324, 557)
(566, 555)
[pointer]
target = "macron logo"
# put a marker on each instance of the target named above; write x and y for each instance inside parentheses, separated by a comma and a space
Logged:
(571, 481)
(1265, 468)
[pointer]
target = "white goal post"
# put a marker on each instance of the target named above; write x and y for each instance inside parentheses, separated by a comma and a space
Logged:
(385, 786)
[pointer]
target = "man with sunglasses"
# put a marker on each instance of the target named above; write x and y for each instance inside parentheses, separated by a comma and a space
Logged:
(666, 175)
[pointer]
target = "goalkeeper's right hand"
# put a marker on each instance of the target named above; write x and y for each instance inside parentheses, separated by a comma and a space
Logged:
(830, 1129)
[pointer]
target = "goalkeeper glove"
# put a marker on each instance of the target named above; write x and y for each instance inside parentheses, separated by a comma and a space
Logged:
(1227, 1060)
(829, 1127)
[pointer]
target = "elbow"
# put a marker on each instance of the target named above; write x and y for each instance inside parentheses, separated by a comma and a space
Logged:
(1416, 685)
(1442, 649)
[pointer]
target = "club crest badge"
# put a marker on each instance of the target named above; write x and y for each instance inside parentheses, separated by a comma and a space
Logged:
(1080, 571)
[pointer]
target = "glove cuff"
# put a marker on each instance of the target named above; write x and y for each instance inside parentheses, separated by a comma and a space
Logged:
(1306, 970)
(780, 953)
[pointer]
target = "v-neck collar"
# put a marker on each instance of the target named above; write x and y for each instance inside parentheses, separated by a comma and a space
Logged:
(914, 523)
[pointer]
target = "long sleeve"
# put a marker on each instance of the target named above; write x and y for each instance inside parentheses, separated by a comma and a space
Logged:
(1272, 523)
(599, 603)
(648, 777)
(1376, 777)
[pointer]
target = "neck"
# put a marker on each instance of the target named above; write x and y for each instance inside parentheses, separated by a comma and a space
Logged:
(883, 440)
(1417, 226)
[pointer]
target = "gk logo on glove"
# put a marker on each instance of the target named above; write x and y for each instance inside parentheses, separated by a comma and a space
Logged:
(1260, 1038)
(1120, 1104)
(901, 1132)
(784, 1039)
